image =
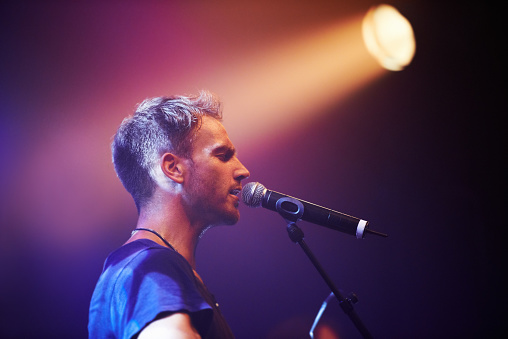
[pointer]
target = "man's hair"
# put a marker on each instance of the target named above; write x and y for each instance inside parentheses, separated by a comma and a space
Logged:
(159, 125)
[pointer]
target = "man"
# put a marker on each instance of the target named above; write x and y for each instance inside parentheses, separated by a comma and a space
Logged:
(178, 163)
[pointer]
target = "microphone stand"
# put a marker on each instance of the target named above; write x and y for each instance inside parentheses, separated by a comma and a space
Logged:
(297, 236)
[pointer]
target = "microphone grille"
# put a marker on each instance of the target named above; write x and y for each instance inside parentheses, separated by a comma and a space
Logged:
(252, 194)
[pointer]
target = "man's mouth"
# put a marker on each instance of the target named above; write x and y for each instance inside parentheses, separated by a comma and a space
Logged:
(235, 191)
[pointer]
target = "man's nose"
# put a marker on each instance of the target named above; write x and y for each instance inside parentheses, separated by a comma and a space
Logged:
(242, 172)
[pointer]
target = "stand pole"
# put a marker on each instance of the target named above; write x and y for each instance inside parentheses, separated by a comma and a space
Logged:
(296, 235)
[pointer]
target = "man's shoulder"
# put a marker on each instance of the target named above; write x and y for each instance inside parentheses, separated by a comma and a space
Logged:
(145, 253)
(140, 281)
(144, 264)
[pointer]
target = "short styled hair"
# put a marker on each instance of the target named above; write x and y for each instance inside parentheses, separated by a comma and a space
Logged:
(159, 125)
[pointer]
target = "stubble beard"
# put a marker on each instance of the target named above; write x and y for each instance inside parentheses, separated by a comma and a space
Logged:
(212, 210)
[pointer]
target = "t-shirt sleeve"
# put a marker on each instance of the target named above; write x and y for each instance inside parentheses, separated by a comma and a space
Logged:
(153, 282)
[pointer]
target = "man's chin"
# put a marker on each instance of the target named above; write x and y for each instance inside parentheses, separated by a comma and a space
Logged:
(225, 222)
(232, 219)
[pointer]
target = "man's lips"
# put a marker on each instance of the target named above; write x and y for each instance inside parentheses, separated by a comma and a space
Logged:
(236, 192)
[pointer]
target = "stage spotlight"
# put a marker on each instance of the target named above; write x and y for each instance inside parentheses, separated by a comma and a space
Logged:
(389, 37)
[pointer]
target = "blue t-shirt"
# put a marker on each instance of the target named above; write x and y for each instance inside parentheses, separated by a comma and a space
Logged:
(144, 281)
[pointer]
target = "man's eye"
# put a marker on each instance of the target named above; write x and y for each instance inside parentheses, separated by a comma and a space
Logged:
(225, 156)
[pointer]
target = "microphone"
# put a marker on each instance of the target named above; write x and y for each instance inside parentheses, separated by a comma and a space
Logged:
(292, 209)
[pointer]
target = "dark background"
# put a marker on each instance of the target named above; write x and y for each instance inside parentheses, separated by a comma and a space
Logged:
(417, 153)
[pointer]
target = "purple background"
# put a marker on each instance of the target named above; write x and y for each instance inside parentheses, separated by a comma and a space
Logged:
(417, 153)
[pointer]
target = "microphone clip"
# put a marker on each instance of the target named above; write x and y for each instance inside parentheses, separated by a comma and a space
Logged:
(290, 209)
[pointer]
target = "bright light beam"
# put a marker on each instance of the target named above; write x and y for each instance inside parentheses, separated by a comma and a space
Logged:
(389, 37)
(283, 86)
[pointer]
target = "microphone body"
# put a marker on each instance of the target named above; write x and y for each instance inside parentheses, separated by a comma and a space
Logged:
(254, 195)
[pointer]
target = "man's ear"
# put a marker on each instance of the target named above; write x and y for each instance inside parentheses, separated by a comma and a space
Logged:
(173, 167)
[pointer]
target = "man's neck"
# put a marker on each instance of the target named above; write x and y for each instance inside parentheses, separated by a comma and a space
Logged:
(174, 226)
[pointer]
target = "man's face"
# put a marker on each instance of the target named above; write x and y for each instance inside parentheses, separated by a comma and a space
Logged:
(212, 184)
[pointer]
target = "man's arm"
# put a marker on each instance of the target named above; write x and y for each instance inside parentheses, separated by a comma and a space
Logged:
(176, 325)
